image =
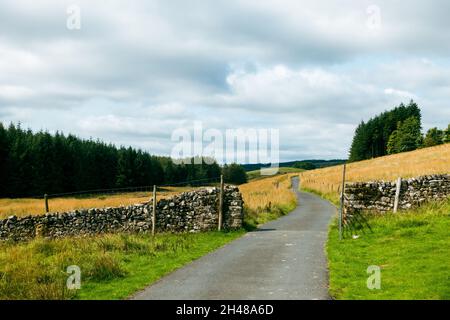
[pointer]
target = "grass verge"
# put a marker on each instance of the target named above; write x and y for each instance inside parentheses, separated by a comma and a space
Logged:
(112, 266)
(411, 248)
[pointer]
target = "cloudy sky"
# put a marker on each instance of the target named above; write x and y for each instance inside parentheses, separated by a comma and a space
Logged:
(137, 70)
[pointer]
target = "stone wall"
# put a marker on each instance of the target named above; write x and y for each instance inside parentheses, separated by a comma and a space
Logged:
(380, 195)
(187, 212)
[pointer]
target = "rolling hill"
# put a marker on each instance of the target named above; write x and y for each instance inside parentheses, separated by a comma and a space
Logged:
(327, 181)
(317, 163)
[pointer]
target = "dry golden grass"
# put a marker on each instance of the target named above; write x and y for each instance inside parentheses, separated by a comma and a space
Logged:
(27, 206)
(265, 193)
(327, 181)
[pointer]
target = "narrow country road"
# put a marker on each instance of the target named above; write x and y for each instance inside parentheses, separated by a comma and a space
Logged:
(284, 259)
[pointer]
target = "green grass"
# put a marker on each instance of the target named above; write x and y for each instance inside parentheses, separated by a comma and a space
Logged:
(412, 248)
(112, 266)
(256, 174)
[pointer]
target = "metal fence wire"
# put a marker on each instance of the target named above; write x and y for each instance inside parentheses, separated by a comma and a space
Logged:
(195, 182)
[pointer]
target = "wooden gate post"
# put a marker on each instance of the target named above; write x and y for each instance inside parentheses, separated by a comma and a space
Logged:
(220, 203)
(397, 193)
(341, 209)
(154, 211)
(46, 202)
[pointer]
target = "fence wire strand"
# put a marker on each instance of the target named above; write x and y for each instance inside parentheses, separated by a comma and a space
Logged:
(137, 188)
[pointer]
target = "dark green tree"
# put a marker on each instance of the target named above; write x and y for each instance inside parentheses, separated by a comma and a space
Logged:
(407, 137)
(234, 174)
(304, 165)
(4, 152)
(433, 137)
(392, 143)
(371, 138)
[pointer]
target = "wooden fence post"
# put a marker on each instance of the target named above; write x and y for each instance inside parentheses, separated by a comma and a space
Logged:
(220, 203)
(46, 202)
(341, 209)
(397, 193)
(154, 211)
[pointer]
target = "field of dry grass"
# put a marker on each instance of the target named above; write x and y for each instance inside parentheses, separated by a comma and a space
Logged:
(263, 193)
(27, 206)
(267, 199)
(327, 181)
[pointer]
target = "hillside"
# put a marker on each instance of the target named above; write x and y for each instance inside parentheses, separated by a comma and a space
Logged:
(327, 181)
(317, 163)
(256, 174)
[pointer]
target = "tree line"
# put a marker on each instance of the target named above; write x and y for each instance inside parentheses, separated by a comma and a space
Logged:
(394, 131)
(33, 164)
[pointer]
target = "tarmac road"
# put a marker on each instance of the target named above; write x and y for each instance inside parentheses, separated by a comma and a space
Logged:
(284, 259)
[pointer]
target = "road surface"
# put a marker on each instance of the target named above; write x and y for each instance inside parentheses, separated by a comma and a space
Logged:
(284, 259)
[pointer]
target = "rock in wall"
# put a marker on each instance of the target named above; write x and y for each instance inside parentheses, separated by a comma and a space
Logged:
(380, 195)
(192, 211)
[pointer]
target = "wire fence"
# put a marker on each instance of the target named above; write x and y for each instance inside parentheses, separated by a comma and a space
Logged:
(196, 182)
(152, 188)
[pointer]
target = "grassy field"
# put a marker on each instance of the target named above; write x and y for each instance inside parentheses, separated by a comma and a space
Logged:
(27, 206)
(267, 199)
(411, 248)
(256, 174)
(327, 181)
(112, 266)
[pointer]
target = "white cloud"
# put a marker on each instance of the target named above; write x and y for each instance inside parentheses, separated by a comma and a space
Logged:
(14, 92)
(400, 93)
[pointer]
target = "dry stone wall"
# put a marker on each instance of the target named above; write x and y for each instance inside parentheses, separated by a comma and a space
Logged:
(380, 195)
(187, 212)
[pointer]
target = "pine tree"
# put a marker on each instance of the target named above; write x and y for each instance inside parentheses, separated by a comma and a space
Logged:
(4, 151)
(392, 143)
(371, 138)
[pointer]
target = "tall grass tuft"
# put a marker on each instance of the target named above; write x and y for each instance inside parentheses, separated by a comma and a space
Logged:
(105, 267)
